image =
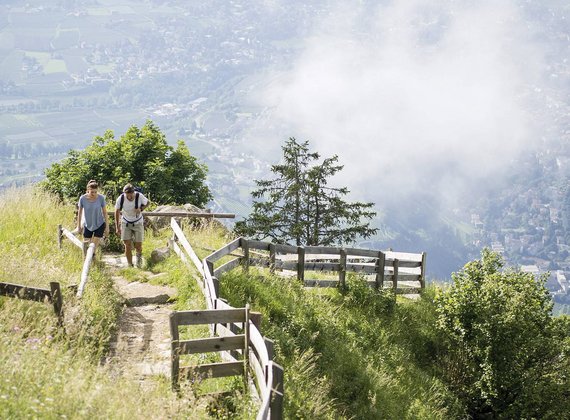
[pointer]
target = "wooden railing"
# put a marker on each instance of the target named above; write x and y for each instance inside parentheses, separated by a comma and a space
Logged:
(387, 268)
(37, 294)
(257, 353)
(88, 252)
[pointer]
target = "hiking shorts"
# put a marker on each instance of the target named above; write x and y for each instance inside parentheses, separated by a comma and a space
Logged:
(98, 233)
(132, 231)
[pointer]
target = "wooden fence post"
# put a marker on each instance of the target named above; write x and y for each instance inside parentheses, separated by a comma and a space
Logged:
(174, 351)
(380, 263)
(272, 258)
(301, 264)
(246, 347)
(245, 247)
(57, 301)
(342, 269)
(277, 391)
(59, 235)
(396, 267)
(423, 271)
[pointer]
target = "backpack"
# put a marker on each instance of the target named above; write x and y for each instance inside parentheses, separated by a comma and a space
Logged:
(123, 200)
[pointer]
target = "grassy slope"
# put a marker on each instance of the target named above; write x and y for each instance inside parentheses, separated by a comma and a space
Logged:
(44, 373)
(356, 354)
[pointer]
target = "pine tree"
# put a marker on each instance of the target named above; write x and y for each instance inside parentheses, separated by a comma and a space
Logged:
(299, 206)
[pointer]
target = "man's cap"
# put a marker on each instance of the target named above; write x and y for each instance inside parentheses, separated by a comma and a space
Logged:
(128, 188)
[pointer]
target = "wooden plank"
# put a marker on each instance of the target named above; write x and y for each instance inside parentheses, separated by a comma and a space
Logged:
(259, 245)
(76, 241)
(322, 266)
(187, 214)
(285, 249)
(212, 344)
(403, 263)
(405, 256)
(326, 250)
(321, 283)
(57, 300)
(210, 316)
(25, 292)
(260, 262)
(286, 265)
(395, 275)
(361, 268)
(356, 252)
(342, 269)
(221, 304)
(272, 254)
(230, 265)
(258, 345)
(85, 271)
(423, 271)
(259, 373)
(380, 270)
(244, 243)
(186, 245)
(213, 370)
(277, 392)
(222, 252)
(300, 263)
(174, 352)
(59, 236)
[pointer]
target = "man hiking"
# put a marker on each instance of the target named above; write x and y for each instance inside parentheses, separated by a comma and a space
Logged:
(129, 222)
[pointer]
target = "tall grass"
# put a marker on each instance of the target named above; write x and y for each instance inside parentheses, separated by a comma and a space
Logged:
(356, 354)
(46, 372)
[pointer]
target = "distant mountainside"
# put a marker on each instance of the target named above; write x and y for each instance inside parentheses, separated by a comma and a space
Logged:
(69, 70)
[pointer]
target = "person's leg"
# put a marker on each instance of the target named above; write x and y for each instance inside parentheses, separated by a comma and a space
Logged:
(129, 252)
(87, 238)
(126, 236)
(138, 237)
(138, 248)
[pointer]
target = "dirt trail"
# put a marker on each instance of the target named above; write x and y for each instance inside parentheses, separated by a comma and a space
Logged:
(141, 346)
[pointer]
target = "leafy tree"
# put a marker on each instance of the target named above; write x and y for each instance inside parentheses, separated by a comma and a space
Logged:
(507, 357)
(299, 205)
(142, 157)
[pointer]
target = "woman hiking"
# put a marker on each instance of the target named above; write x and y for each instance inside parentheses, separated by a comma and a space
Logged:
(92, 216)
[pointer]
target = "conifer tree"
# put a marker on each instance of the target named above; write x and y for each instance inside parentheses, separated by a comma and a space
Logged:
(299, 206)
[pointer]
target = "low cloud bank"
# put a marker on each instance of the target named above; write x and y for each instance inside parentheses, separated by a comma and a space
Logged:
(412, 96)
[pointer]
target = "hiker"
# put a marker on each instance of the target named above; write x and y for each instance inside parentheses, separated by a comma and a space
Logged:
(129, 222)
(92, 216)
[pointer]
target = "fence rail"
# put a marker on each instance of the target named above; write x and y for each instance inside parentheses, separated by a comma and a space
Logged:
(242, 346)
(88, 252)
(37, 294)
(403, 272)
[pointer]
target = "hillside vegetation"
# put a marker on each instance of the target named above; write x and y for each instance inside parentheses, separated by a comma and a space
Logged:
(353, 353)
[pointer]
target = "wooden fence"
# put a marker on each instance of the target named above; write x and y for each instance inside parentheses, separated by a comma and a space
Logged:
(234, 333)
(88, 252)
(396, 270)
(51, 295)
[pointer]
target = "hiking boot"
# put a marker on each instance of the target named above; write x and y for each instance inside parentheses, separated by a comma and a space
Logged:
(139, 261)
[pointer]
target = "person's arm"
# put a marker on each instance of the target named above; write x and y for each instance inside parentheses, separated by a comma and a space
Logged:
(142, 206)
(79, 215)
(117, 220)
(106, 216)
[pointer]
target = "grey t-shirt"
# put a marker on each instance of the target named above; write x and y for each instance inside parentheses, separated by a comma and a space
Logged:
(92, 213)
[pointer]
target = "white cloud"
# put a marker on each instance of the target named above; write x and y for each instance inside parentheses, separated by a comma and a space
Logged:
(412, 95)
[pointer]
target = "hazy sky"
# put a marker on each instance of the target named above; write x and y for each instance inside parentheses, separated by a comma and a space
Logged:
(412, 95)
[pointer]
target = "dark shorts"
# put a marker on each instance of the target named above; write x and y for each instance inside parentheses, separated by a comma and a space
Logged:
(98, 233)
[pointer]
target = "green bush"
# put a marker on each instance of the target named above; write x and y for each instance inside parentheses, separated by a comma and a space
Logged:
(506, 356)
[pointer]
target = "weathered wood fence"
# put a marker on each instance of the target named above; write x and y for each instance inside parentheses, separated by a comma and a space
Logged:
(37, 294)
(396, 270)
(235, 332)
(88, 252)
